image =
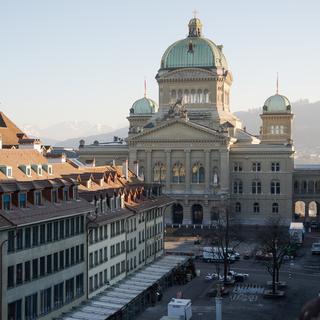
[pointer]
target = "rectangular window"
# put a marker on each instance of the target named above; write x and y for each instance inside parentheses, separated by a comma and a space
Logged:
(38, 198)
(67, 227)
(45, 301)
(42, 234)
(10, 282)
(22, 200)
(79, 285)
(72, 227)
(82, 224)
(96, 281)
(96, 257)
(49, 264)
(106, 253)
(55, 262)
(58, 295)
(49, 232)
(100, 256)
(54, 196)
(27, 271)
(62, 229)
(61, 260)
(77, 254)
(237, 166)
(69, 289)
(67, 258)
(56, 231)
(65, 194)
(19, 236)
(72, 256)
(11, 240)
(82, 252)
(105, 274)
(31, 307)
(19, 275)
(42, 266)
(91, 260)
(275, 166)
(256, 166)
(100, 278)
(14, 310)
(35, 235)
(105, 231)
(101, 233)
(6, 202)
(34, 268)
(27, 237)
(77, 225)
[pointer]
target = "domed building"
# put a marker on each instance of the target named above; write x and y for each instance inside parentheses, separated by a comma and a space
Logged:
(198, 150)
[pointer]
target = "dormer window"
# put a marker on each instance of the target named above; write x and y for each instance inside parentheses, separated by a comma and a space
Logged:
(7, 171)
(48, 168)
(38, 198)
(6, 202)
(39, 171)
(22, 200)
(28, 171)
(54, 194)
(75, 193)
(65, 194)
(37, 168)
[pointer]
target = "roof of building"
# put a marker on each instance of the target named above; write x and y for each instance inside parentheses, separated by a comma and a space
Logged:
(9, 132)
(194, 51)
(143, 106)
(277, 104)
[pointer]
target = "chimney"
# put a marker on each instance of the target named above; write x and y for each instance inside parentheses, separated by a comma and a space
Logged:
(125, 169)
(27, 143)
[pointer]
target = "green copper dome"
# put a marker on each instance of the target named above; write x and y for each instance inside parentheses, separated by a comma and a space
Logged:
(143, 106)
(194, 51)
(277, 104)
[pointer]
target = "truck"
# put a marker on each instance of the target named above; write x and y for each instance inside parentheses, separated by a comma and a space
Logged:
(215, 254)
(296, 232)
(180, 308)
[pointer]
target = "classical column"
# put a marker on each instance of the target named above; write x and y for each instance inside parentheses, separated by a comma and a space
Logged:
(207, 170)
(149, 166)
(188, 170)
(168, 170)
(224, 170)
(132, 159)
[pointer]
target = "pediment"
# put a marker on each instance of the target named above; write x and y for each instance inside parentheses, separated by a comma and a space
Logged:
(179, 131)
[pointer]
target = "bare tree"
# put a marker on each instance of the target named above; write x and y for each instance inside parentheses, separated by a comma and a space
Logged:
(274, 238)
(225, 237)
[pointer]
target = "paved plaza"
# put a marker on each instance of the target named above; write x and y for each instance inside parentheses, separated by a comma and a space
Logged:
(245, 300)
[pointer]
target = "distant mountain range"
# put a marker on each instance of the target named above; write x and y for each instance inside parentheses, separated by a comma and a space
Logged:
(306, 130)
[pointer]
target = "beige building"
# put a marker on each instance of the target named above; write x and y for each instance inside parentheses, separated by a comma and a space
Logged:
(198, 149)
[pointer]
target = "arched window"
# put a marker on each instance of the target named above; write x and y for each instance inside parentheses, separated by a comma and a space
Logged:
(186, 96)
(178, 173)
(275, 207)
(238, 207)
(198, 173)
(237, 186)
(206, 96)
(180, 94)
(159, 172)
(141, 173)
(193, 96)
(173, 95)
(177, 213)
(199, 96)
(256, 187)
(256, 207)
(275, 187)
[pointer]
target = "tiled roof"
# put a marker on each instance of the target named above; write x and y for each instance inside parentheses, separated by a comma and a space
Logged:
(9, 132)
(47, 211)
(150, 203)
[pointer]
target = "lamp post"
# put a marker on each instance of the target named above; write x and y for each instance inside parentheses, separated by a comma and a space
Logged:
(218, 300)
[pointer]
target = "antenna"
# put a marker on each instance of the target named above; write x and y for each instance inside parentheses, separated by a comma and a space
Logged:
(145, 87)
(277, 90)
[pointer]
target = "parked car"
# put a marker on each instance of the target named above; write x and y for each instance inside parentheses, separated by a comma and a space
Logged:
(263, 256)
(238, 276)
(211, 276)
(315, 249)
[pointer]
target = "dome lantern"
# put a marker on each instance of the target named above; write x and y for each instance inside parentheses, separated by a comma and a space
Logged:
(195, 28)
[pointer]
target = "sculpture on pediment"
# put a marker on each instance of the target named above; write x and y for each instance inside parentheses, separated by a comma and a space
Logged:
(178, 110)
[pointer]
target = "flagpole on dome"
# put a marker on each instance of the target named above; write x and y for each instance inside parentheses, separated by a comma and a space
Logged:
(145, 87)
(277, 86)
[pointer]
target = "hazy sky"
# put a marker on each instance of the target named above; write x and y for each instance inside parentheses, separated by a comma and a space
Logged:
(87, 59)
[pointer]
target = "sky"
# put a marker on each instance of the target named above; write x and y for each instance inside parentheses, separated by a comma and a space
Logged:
(67, 60)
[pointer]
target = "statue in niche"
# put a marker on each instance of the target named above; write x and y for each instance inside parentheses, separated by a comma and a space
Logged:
(215, 178)
(178, 110)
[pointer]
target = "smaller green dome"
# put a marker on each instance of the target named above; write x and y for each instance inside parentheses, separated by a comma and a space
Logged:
(277, 104)
(143, 106)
